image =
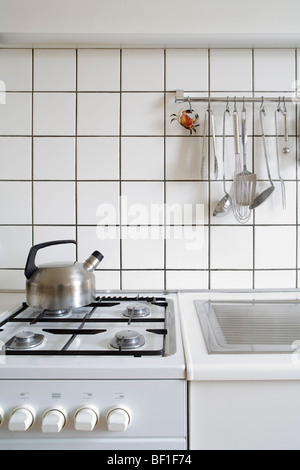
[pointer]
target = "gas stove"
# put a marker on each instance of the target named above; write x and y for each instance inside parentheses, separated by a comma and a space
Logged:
(112, 326)
(108, 375)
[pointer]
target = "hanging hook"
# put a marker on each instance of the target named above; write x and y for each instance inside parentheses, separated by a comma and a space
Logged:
(244, 107)
(284, 105)
(208, 104)
(190, 103)
(279, 104)
(227, 110)
(235, 107)
(262, 106)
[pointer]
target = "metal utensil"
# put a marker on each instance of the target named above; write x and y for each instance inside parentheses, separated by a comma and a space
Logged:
(216, 166)
(241, 212)
(204, 146)
(283, 197)
(225, 204)
(245, 181)
(260, 198)
(286, 148)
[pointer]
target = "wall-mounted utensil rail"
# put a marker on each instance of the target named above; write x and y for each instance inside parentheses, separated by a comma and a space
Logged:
(180, 98)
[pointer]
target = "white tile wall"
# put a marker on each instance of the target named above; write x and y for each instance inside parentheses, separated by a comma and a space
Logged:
(87, 149)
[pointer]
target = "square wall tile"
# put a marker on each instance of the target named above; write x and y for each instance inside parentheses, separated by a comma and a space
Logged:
(98, 114)
(142, 248)
(136, 64)
(186, 203)
(54, 114)
(173, 128)
(142, 114)
(15, 158)
(186, 247)
(183, 158)
(15, 243)
(97, 158)
(143, 280)
(287, 163)
(16, 69)
(275, 279)
(54, 203)
(216, 194)
(12, 280)
(107, 280)
(275, 247)
(142, 203)
(231, 70)
(269, 118)
(15, 202)
(186, 279)
(187, 69)
(54, 69)
(231, 279)
(54, 158)
(98, 203)
(98, 70)
(231, 247)
(104, 239)
(142, 158)
(58, 253)
(15, 114)
(271, 211)
(274, 69)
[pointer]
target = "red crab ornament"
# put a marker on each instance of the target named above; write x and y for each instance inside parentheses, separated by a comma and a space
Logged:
(187, 119)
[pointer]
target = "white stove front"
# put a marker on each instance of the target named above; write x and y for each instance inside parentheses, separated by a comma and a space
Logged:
(87, 401)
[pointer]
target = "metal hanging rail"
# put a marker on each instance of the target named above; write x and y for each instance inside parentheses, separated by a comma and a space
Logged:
(180, 98)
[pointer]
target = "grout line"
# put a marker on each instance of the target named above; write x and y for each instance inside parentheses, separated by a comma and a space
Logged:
(32, 149)
(165, 166)
(76, 154)
(120, 171)
(296, 169)
(253, 161)
(209, 179)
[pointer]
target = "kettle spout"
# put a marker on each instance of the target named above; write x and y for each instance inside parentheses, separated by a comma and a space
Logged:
(92, 262)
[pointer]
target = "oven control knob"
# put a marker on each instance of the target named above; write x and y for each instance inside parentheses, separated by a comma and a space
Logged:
(21, 419)
(118, 419)
(53, 420)
(86, 419)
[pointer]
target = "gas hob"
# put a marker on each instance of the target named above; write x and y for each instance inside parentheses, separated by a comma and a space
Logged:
(115, 331)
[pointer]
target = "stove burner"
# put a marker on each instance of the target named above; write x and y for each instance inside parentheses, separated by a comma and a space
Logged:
(26, 340)
(138, 310)
(127, 339)
(56, 313)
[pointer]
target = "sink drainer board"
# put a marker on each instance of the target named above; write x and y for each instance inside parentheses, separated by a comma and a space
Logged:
(250, 326)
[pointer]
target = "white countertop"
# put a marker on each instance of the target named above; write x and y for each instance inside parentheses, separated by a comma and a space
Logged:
(202, 366)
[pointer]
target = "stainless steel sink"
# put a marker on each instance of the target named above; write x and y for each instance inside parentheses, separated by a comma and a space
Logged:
(250, 326)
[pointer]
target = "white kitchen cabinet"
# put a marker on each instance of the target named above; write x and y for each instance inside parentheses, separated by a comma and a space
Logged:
(154, 22)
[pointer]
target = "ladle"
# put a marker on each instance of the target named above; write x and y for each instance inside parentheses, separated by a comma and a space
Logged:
(225, 204)
(260, 198)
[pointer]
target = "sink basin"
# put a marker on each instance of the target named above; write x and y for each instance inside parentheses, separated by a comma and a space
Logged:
(250, 326)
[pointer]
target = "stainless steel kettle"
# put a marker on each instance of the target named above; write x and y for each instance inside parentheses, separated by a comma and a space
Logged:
(60, 287)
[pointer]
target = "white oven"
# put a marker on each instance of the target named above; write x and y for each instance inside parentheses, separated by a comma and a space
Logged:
(243, 369)
(110, 375)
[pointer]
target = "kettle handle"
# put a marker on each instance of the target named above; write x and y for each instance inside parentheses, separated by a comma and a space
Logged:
(30, 263)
